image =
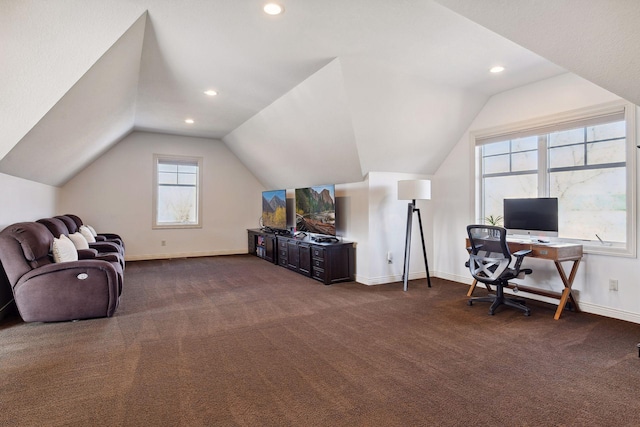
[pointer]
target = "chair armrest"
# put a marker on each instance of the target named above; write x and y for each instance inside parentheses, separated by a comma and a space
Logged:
(105, 246)
(523, 252)
(111, 257)
(87, 253)
(519, 257)
(110, 236)
(113, 237)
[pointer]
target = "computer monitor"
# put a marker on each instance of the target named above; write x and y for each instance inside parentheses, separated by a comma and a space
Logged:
(535, 216)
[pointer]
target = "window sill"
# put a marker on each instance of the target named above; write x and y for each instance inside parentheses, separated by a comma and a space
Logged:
(175, 226)
(607, 250)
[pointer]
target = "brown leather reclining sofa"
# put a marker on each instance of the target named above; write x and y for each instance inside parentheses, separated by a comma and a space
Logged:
(46, 291)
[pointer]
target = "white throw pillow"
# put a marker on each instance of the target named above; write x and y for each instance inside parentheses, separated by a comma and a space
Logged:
(87, 234)
(64, 250)
(93, 231)
(79, 241)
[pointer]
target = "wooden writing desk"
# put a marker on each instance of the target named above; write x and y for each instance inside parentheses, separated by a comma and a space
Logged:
(556, 252)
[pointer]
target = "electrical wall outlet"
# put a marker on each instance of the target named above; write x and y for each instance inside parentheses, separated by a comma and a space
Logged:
(163, 243)
(613, 284)
(389, 258)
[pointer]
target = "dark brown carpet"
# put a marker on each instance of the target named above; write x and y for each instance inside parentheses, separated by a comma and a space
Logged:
(236, 341)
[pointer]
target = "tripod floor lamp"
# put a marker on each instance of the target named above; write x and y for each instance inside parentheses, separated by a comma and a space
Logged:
(415, 189)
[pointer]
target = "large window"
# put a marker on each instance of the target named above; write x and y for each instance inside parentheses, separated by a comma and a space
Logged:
(585, 159)
(177, 192)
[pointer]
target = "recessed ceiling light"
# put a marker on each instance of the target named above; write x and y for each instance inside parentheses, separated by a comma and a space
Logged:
(210, 92)
(497, 69)
(189, 121)
(273, 9)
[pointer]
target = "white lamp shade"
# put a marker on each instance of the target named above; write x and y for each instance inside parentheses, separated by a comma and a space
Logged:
(414, 189)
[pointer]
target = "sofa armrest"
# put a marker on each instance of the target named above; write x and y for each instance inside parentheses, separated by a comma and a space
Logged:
(87, 253)
(68, 291)
(105, 247)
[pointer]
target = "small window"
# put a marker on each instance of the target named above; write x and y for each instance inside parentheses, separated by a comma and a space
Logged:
(176, 202)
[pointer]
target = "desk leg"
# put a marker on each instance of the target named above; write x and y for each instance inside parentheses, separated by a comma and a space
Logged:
(473, 287)
(566, 293)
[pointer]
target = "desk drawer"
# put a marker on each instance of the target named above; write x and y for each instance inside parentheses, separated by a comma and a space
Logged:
(557, 252)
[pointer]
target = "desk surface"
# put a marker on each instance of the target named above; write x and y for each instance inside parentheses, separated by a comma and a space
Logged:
(555, 251)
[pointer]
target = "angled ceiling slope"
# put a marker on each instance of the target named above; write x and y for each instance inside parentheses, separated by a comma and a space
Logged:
(596, 39)
(92, 116)
(304, 138)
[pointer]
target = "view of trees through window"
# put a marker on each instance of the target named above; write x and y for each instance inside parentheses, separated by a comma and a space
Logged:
(177, 192)
(584, 167)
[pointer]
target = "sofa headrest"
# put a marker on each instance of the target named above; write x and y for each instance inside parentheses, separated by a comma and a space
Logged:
(34, 239)
(71, 224)
(55, 225)
(75, 219)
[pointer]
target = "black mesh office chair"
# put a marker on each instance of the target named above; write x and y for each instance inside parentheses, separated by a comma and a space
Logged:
(489, 260)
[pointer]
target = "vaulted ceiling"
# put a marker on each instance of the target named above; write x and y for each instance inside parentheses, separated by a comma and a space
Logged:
(334, 88)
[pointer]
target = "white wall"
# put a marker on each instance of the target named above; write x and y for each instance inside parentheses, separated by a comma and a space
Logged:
(24, 200)
(377, 221)
(352, 221)
(455, 208)
(114, 194)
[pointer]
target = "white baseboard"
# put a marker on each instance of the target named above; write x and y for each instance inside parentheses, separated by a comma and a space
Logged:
(614, 313)
(382, 280)
(147, 257)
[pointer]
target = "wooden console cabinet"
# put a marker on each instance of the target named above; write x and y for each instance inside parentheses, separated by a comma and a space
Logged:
(262, 245)
(327, 262)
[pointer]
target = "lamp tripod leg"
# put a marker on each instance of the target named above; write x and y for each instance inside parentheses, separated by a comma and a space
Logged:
(424, 248)
(407, 246)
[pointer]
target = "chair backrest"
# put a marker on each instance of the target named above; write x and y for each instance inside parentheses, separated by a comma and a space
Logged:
(489, 255)
(55, 225)
(72, 227)
(76, 219)
(23, 247)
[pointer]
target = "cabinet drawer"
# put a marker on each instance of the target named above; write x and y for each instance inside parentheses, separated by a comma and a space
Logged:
(283, 261)
(282, 243)
(318, 253)
(318, 263)
(283, 253)
(318, 273)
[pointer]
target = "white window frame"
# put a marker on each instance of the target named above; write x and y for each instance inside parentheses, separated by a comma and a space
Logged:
(543, 124)
(157, 158)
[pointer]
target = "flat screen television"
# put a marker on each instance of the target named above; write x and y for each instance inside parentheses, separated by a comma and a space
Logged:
(274, 210)
(316, 209)
(535, 216)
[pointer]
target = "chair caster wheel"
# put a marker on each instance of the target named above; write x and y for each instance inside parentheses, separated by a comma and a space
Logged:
(469, 303)
(527, 313)
(490, 313)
